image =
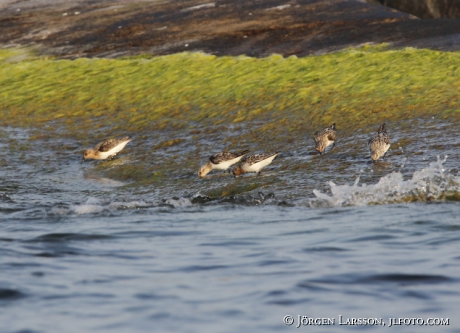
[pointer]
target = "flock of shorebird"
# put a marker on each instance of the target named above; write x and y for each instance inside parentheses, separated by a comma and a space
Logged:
(378, 147)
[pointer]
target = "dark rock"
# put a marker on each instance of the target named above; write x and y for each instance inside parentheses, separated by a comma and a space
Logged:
(425, 8)
(86, 28)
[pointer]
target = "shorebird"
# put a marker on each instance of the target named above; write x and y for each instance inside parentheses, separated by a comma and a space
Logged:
(254, 163)
(106, 149)
(379, 144)
(221, 161)
(324, 138)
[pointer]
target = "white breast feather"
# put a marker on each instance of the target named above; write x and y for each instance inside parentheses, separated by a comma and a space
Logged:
(256, 167)
(227, 164)
(115, 150)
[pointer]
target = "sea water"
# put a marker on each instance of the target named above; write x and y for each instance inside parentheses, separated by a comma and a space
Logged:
(338, 242)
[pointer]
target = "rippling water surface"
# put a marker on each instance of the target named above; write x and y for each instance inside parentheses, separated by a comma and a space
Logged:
(81, 251)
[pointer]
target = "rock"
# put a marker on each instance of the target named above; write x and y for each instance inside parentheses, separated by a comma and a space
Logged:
(223, 27)
(425, 8)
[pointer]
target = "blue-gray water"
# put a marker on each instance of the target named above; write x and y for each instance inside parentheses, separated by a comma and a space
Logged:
(83, 253)
(229, 269)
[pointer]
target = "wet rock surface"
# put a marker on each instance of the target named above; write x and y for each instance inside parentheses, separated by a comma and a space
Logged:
(86, 28)
(425, 8)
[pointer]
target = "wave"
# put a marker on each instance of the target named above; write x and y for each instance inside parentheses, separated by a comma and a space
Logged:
(98, 206)
(429, 184)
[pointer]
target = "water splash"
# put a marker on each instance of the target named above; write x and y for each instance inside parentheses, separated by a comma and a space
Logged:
(96, 205)
(430, 184)
(176, 202)
(87, 209)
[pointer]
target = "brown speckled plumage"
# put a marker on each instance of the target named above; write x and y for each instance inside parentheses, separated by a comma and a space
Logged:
(254, 163)
(221, 161)
(324, 138)
(379, 144)
(106, 149)
(255, 158)
(225, 156)
(110, 144)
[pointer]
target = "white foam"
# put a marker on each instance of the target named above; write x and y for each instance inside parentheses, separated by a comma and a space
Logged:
(132, 204)
(93, 201)
(180, 202)
(429, 184)
(87, 209)
(95, 205)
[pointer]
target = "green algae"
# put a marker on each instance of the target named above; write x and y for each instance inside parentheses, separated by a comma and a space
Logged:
(170, 103)
(172, 91)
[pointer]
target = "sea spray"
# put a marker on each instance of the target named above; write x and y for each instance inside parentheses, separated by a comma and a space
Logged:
(429, 184)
